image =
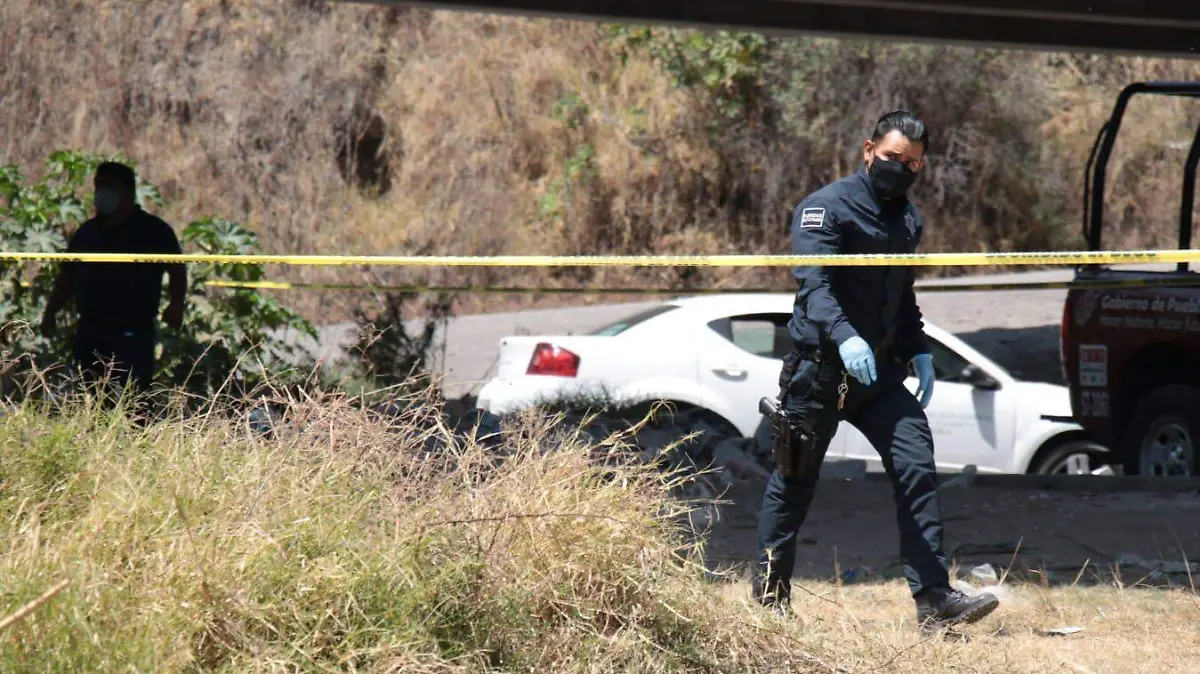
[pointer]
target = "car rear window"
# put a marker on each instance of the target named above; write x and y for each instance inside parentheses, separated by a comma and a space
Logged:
(631, 320)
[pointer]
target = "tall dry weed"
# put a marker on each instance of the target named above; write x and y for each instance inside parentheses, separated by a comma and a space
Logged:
(338, 542)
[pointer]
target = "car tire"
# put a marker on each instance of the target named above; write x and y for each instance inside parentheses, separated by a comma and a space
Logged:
(1070, 457)
(1163, 432)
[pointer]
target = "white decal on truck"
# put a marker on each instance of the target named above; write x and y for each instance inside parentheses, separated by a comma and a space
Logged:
(1094, 403)
(1093, 365)
(1157, 323)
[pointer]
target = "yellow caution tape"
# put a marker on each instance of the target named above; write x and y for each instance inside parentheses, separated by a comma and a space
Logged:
(416, 288)
(1168, 281)
(881, 260)
(608, 290)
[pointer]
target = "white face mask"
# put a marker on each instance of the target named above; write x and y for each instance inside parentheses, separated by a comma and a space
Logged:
(106, 200)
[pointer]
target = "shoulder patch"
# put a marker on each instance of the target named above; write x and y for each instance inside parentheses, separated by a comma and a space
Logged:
(812, 218)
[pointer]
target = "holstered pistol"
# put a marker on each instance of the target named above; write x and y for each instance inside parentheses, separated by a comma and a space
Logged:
(793, 443)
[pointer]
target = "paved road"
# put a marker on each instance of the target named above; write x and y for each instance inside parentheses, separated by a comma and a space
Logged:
(472, 342)
(468, 346)
(1018, 328)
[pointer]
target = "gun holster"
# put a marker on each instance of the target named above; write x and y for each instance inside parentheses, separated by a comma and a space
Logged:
(797, 447)
(794, 445)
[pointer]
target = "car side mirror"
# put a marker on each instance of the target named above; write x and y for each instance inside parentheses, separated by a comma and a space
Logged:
(975, 376)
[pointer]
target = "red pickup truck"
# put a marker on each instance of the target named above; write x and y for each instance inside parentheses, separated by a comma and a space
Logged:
(1130, 338)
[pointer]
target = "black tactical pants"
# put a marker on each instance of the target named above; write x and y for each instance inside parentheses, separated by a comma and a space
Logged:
(893, 422)
(118, 355)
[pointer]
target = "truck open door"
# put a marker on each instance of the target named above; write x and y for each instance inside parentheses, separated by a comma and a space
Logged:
(1130, 338)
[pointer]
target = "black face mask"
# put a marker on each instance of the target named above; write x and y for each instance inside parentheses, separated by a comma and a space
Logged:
(890, 177)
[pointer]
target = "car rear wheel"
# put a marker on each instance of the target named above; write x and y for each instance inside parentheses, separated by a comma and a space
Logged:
(1072, 457)
(1163, 432)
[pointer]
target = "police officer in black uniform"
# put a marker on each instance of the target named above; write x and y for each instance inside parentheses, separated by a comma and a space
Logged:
(118, 302)
(855, 331)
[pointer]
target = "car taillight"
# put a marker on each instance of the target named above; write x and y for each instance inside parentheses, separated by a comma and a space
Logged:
(553, 361)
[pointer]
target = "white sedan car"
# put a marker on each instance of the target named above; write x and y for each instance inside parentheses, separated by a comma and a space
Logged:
(721, 353)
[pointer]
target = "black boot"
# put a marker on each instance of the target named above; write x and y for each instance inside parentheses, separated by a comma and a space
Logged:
(946, 607)
(781, 609)
(779, 605)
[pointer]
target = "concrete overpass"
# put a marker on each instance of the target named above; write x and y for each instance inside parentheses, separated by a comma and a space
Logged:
(1136, 27)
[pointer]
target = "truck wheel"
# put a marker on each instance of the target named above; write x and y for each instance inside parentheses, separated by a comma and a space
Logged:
(1072, 457)
(1163, 432)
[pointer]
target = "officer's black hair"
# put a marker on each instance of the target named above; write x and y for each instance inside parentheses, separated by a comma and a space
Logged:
(908, 124)
(119, 172)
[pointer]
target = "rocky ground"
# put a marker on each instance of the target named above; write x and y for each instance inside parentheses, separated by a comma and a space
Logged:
(1059, 536)
(1055, 537)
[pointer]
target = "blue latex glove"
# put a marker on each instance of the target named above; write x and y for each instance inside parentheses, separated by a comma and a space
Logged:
(923, 364)
(858, 359)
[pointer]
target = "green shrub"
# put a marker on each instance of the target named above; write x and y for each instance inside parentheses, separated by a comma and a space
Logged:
(231, 335)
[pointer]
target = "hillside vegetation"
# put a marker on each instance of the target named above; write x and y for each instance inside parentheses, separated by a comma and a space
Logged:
(361, 129)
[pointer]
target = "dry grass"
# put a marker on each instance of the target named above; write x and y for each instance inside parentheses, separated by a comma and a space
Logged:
(870, 628)
(339, 544)
(332, 127)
